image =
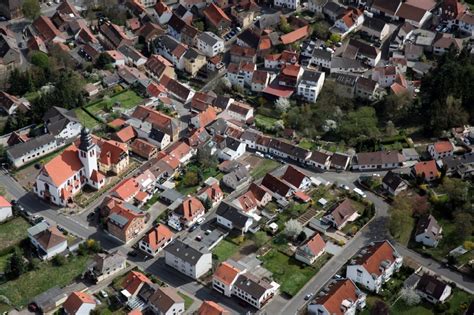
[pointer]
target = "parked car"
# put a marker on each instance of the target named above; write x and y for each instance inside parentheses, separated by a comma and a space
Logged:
(200, 220)
(193, 227)
(308, 296)
(60, 228)
(132, 253)
(198, 238)
(103, 294)
(90, 216)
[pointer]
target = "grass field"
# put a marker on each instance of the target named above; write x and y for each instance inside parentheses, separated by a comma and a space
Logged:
(288, 272)
(187, 300)
(307, 144)
(265, 122)
(20, 291)
(127, 100)
(224, 250)
(12, 232)
(86, 119)
(263, 168)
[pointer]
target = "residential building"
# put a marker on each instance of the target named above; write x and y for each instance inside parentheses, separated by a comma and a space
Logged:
(432, 289)
(65, 175)
(132, 56)
(441, 149)
(229, 148)
(320, 160)
(356, 49)
(9, 104)
(254, 290)
(113, 36)
(311, 250)
(188, 257)
(377, 160)
(413, 14)
(260, 194)
(260, 80)
(156, 239)
(225, 276)
(10, 56)
(194, 62)
(374, 265)
(375, 27)
(155, 120)
(106, 265)
(5, 209)
(177, 90)
(172, 49)
(427, 171)
(213, 193)
(316, 6)
(210, 44)
(278, 188)
(428, 232)
(231, 218)
(157, 66)
(190, 210)
(203, 118)
(166, 301)
(310, 85)
(296, 178)
(290, 4)
(385, 76)
(211, 308)
(62, 123)
(339, 297)
(240, 111)
(47, 240)
(240, 54)
(133, 283)
(349, 21)
(341, 214)
(366, 89)
(11, 9)
(216, 18)
(340, 161)
(125, 221)
(237, 178)
(393, 183)
(321, 58)
(442, 44)
(146, 150)
(79, 303)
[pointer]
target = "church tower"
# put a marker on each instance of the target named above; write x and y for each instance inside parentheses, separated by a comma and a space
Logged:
(88, 153)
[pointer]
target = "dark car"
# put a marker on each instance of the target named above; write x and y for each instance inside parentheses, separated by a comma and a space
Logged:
(132, 253)
(193, 227)
(60, 228)
(90, 216)
(32, 307)
(37, 166)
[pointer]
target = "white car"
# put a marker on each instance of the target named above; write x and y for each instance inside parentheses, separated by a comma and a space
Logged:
(103, 294)
(200, 220)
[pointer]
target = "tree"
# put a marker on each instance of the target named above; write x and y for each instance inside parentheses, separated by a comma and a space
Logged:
(259, 238)
(59, 260)
(31, 9)
(205, 158)
(40, 59)
(379, 308)
(282, 104)
(464, 228)
(103, 60)
(335, 38)
(293, 228)
(359, 125)
(16, 265)
(284, 26)
(321, 30)
(226, 84)
(410, 297)
(390, 129)
(457, 191)
(199, 25)
(191, 179)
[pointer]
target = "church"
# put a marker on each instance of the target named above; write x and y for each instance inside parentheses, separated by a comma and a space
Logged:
(65, 175)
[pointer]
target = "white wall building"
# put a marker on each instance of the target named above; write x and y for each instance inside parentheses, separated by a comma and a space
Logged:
(188, 257)
(210, 44)
(310, 85)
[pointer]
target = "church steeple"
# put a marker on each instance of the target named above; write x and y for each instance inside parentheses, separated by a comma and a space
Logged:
(88, 153)
(86, 140)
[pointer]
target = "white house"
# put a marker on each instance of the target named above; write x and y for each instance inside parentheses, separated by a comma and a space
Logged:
(441, 149)
(240, 111)
(188, 257)
(377, 160)
(5, 209)
(316, 6)
(321, 58)
(393, 183)
(79, 303)
(229, 149)
(349, 21)
(225, 276)
(47, 240)
(432, 289)
(339, 297)
(260, 80)
(374, 265)
(296, 178)
(428, 231)
(231, 218)
(310, 85)
(210, 44)
(311, 250)
(290, 4)
(319, 159)
(166, 301)
(156, 239)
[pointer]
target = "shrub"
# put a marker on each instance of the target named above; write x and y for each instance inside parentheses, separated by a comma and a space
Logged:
(59, 260)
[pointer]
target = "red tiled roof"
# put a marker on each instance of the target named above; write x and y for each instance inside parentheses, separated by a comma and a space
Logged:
(338, 293)
(294, 36)
(75, 301)
(111, 152)
(443, 146)
(426, 168)
(398, 89)
(126, 189)
(46, 28)
(158, 236)
(316, 244)
(4, 202)
(212, 308)
(291, 70)
(134, 280)
(142, 147)
(215, 15)
(179, 150)
(190, 208)
(63, 166)
(213, 192)
(126, 134)
(279, 91)
(302, 196)
(247, 201)
(117, 123)
(375, 255)
(226, 273)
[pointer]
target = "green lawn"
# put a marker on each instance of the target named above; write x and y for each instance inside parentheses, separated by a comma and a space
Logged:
(127, 100)
(264, 122)
(404, 235)
(224, 250)
(3, 262)
(307, 144)
(32, 283)
(187, 300)
(264, 167)
(12, 232)
(86, 119)
(288, 272)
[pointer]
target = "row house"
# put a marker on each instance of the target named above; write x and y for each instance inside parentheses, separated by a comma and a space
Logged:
(375, 27)
(260, 80)
(146, 150)
(240, 111)
(194, 61)
(374, 265)
(179, 91)
(132, 56)
(240, 54)
(320, 160)
(321, 58)
(124, 220)
(377, 160)
(277, 61)
(157, 66)
(113, 36)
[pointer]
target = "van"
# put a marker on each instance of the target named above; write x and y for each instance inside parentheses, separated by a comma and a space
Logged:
(360, 192)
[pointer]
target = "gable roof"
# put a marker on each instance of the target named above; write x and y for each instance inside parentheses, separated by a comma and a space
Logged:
(232, 214)
(50, 237)
(189, 208)
(75, 300)
(126, 134)
(46, 28)
(133, 281)
(226, 273)
(313, 247)
(431, 286)
(164, 298)
(375, 256)
(275, 185)
(293, 176)
(428, 224)
(392, 180)
(158, 236)
(342, 212)
(443, 147)
(212, 308)
(63, 166)
(215, 15)
(295, 35)
(333, 299)
(379, 157)
(426, 169)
